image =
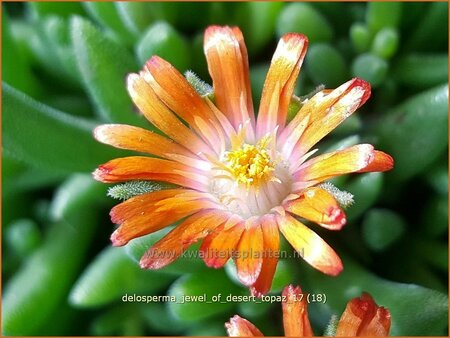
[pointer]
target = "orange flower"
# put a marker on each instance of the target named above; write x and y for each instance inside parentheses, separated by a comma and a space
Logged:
(362, 317)
(241, 179)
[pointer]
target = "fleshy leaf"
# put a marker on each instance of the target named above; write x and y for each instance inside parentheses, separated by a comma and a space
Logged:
(44, 137)
(103, 65)
(111, 276)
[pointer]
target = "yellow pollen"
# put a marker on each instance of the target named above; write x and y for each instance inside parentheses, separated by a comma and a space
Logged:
(250, 164)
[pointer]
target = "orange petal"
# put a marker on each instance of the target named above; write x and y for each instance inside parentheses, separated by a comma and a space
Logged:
(327, 110)
(310, 246)
(171, 246)
(227, 59)
(240, 327)
(218, 246)
(319, 206)
(280, 82)
(271, 239)
(147, 168)
(150, 212)
(179, 96)
(157, 113)
(249, 254)
(326, 166)
(363, 317)
(137, 139)
(295, 313)
(381, 162)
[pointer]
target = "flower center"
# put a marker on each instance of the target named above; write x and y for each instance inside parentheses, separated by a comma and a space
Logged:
(251, 179)
(250, 165)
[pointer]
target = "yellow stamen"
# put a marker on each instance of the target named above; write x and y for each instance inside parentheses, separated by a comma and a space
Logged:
(251, 164)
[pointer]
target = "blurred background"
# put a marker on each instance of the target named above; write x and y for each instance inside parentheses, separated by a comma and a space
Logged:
(64, 67)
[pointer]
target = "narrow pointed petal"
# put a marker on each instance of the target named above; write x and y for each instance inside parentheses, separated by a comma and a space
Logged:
(249, 254)
(171, 246)
(310, 246)
(271, 240)
(326, 166)
(381, 162)
(158, 114)
(363, 317)
(218, 246)
(280, 82)
(295, 313)
(328, 110)
(137, 139)
(240, 327)
(319, 206)
(179, 96)
(145, 214)
(227, 59)
(147, 168)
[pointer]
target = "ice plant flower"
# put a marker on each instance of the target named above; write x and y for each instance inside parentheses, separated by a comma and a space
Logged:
(362, 317)
(240, 179)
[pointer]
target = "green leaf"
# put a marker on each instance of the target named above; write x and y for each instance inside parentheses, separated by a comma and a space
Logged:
(415, 133)
(120, 320)
(136, 16)
(257, 21)
(74, 193)
(422, 70)
(437, 178)
(107, 15)
(163, 40)
(325, 65)
(47, 138)
(371, 68)
(431, 32)
(305, 19)
(23, 237)
(103, 65)
(52, 267)
(111, 277)
(366, 189)
(415, 310)
(16, 71)
(383, 14)
(40, 10)
(161, 320)
(360, 37)
(207, 285)
(381, 228)
(385, 43)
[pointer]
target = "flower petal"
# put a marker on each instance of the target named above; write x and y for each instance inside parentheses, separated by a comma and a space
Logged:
(381, 162)
(158, 114)
(147, 213)
(280, 82)
(249, 253)
(171, 246)
(319, 206)
(137, 139)
(175, 91)
(326, 166)
(147, 168)
(218, 246)
(363, 317)
(271, 239)
(227, 59)
(295, 313)
(310, 246)
(327, 110)
(240, 327)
